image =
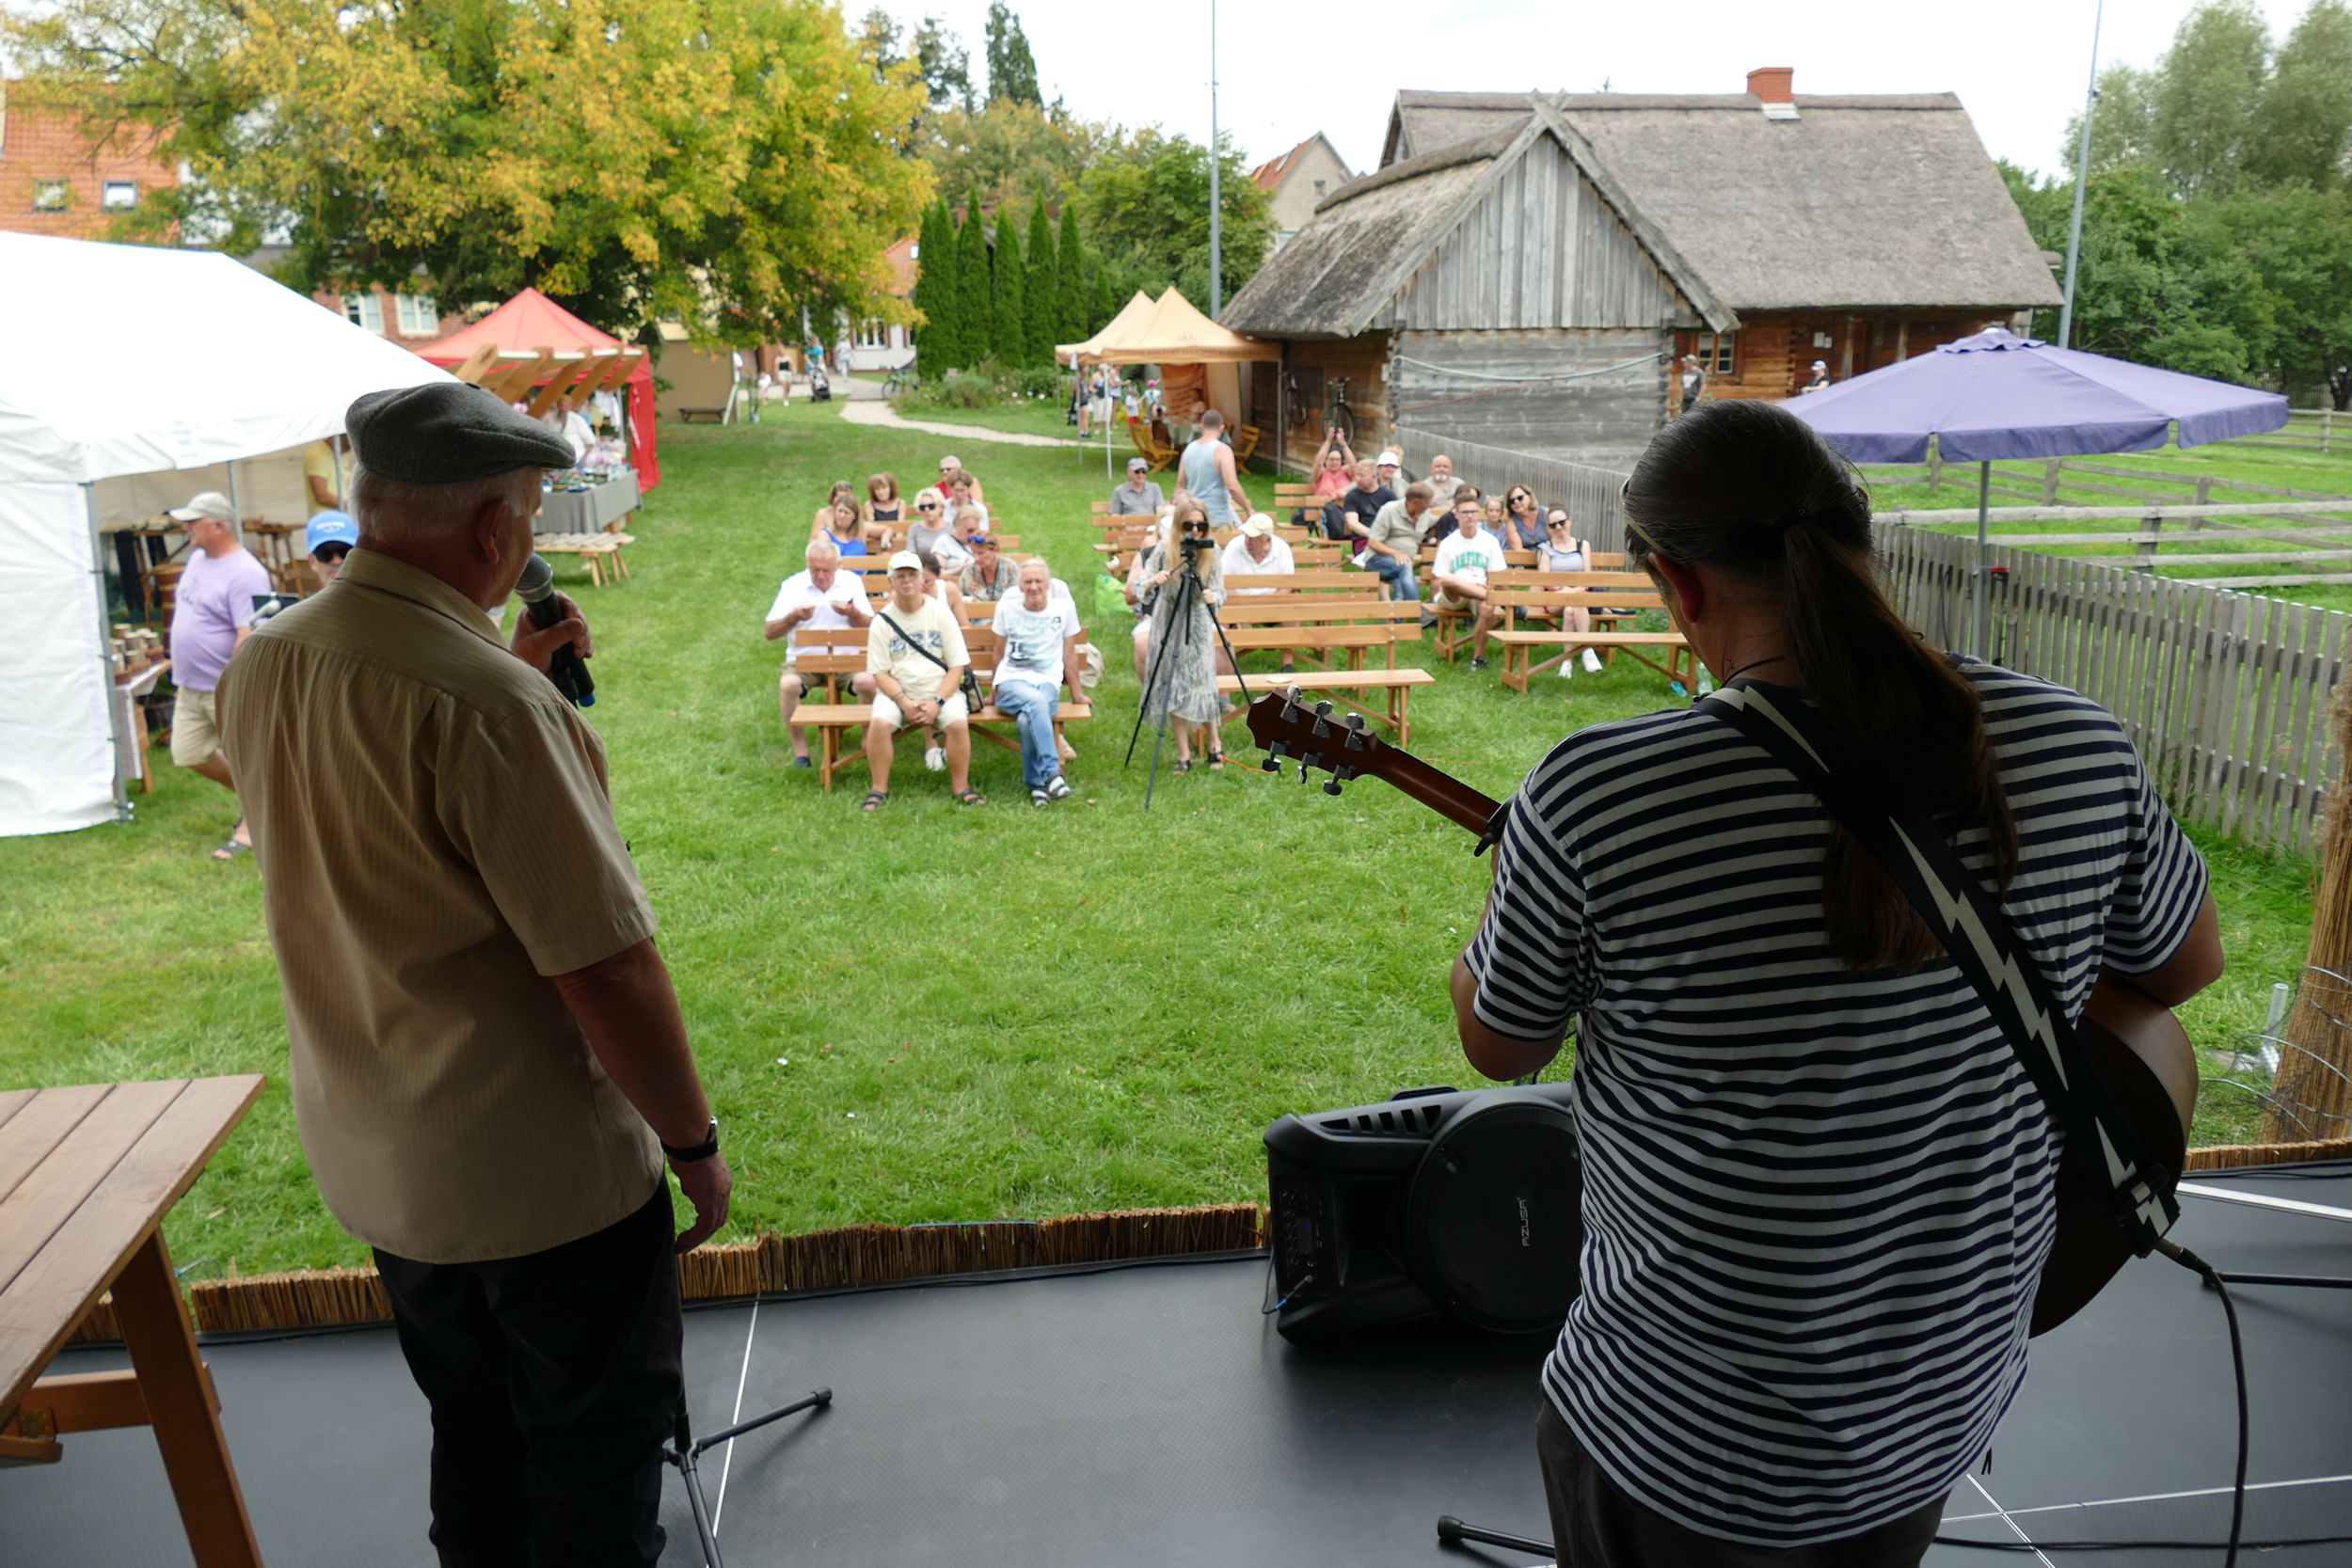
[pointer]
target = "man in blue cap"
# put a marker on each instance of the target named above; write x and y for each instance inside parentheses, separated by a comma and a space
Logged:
(330, 538)
(489, 1067)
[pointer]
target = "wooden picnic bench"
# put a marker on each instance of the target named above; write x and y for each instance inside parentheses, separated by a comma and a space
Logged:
(86, 1176)
(1382, 695)
(1609, 599)
(1320, 628)
(594, 548)
(1159, 457)
(827, 655)
(715, 415)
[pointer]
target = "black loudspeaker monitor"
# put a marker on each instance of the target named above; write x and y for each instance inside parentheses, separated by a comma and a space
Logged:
(1436, 1206)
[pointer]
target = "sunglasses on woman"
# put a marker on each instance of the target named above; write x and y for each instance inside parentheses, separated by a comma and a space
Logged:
(1196, 525)
(927, 506)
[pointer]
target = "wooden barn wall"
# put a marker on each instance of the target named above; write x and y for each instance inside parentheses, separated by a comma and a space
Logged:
(1313, 366)
(1602, 421)
(1539, 250)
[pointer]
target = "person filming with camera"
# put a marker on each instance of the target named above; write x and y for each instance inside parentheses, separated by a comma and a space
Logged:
(1180, 582)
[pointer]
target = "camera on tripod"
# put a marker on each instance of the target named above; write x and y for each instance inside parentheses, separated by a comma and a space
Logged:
(1193, 543)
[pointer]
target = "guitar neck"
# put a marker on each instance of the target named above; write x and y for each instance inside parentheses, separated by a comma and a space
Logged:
(1443, 793)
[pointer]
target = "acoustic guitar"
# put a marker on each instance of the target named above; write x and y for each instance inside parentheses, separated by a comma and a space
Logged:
(2134, 1043)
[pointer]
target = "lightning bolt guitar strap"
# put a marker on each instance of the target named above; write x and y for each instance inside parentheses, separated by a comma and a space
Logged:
(1977, 935)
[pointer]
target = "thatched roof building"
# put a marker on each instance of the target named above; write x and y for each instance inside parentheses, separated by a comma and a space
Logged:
(1763, 230)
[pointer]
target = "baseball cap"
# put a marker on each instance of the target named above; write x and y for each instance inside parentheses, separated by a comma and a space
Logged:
(1137, 466)
(951, 461)
(1821, 364)
(905, 560)
(207, 503)
(1388, 460)
(331, 527)
(1259, 524)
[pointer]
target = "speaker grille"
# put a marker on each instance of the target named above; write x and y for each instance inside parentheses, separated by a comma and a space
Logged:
(1386, 1121)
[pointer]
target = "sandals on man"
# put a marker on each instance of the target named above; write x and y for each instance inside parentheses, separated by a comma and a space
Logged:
(231, 849)
(969, 798)
(875, 799)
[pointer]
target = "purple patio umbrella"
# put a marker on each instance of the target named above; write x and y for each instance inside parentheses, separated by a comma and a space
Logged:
(1996, 395)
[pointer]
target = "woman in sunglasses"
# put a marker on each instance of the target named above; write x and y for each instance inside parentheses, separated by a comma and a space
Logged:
(1180, 658)
(1563, 551)
(1522, 528)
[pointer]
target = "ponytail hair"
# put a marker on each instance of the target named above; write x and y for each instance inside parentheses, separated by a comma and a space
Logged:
(1754, 492)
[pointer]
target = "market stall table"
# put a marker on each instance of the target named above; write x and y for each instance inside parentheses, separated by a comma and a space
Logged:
(598, 509)
(132, 691)
(86, 1175)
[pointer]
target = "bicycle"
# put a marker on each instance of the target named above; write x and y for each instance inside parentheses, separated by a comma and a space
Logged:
(1342, 417)
(899, 382)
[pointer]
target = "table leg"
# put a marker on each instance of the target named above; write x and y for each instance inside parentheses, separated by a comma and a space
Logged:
(162, 1343)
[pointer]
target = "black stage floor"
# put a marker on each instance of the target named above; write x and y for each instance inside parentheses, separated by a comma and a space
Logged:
(1149, 1415)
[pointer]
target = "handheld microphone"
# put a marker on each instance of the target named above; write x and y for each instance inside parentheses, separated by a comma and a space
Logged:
(566, 668)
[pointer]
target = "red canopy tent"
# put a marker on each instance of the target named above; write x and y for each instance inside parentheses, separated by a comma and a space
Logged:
(531, 342)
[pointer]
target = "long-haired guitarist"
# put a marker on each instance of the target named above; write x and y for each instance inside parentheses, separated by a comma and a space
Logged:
(1817, 1182)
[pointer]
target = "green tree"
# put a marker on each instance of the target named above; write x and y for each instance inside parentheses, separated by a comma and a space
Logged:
(2298, 241)
(2155, 288)
(724, 161)
(1151, 199)
(2302, 130)
(1014, 152)
(2205, 93)
(935, 285)
(2122, 129)
(1045, 286)
(1070, 264)
(1008, 298)
(942, 63)
(972, 284)
(1012, 69)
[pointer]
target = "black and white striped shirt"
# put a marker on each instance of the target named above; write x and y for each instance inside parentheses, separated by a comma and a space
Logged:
(1816, 1202)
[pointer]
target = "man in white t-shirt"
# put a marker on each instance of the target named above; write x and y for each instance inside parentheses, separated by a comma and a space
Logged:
(821, 598)
(1464, 557)
(916, 654)
(1040, 631)
(1256, 551)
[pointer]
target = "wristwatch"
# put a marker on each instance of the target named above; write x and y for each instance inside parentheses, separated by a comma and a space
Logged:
(703, 1150)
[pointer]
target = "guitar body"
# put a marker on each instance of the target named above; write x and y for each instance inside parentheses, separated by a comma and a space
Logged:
(2144, 1057)
(2137, 1046)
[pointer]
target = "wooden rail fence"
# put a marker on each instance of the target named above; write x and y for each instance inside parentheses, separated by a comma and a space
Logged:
(2225, 694)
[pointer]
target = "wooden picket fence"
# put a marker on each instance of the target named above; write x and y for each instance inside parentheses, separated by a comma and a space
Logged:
(2225, 694)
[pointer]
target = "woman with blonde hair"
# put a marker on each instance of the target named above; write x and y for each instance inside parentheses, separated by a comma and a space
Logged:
(838, 521)
(1181, 671)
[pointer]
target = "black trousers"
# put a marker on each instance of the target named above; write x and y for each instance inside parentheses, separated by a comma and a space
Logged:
(554, 1379)
(1595, 1525)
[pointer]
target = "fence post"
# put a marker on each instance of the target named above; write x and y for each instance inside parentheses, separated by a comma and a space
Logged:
(2327, 419)
(2050, 481)
(1936, 472)
(2204, 494)
(2148, 548)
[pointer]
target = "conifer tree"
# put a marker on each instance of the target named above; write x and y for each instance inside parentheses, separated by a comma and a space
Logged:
(1009, 308)
(972, 282)
(935, 288)
(1044, 286)
(1077, 302)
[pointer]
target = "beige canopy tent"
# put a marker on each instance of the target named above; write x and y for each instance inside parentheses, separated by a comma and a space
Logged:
(1169, 332)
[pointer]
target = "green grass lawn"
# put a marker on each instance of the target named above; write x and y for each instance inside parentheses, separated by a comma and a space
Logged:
(2171, 472)
(932, 1013)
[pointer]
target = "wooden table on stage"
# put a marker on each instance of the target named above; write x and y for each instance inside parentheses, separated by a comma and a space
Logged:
(86, 1176)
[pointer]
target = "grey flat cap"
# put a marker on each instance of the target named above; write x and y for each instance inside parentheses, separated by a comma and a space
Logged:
(448, 433)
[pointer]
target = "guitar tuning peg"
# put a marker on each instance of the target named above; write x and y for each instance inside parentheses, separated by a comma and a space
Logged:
(1271, 764)
(1332, 788)
(1323, 711)
(1356, 722)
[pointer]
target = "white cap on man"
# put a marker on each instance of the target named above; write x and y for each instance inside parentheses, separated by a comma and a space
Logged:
(1388, 460)
(1259, 524)
(905, 560)
(1137, 465)
(207, 503)
(1821, 364)
(947, 462)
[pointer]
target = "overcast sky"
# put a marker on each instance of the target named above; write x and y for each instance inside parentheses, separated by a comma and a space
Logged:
(1286, 70)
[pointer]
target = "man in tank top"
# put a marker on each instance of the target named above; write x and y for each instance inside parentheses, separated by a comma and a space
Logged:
(1206, 470)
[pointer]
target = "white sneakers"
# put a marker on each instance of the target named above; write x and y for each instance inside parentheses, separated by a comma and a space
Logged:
(935, 758)
(1592, 661)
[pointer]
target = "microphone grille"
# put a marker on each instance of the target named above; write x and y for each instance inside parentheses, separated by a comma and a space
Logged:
(537, 580)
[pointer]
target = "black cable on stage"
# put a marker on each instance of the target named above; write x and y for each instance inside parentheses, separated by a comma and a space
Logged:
(2286, 1543)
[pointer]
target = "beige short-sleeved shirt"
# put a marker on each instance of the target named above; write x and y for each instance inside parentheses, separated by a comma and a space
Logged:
(436, 840)
(932, 627)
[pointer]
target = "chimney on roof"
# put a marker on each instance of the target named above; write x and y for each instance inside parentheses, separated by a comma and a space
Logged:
(1771, 83)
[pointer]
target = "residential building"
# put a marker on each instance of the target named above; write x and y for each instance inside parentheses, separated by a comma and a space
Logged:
(1297, 181)
(52, 181)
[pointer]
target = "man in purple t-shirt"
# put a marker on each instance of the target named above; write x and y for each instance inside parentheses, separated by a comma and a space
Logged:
(211, 613)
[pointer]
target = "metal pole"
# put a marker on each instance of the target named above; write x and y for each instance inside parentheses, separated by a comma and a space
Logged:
(1216, 215)
(236, 502)
(1976, 640)
(2082, 179)
(106, 658)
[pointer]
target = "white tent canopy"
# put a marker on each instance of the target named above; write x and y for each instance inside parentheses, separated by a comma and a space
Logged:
(127, 360)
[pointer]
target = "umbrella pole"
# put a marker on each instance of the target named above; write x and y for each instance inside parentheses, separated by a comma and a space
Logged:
(1976, 642)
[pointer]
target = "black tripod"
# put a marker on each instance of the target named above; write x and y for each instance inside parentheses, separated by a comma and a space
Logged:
(1186, 587)
(686, 1451)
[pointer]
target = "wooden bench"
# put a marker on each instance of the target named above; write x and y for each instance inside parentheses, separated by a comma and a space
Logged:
(687, 415)
(1320, 628)
(836, 655)
(1381, 695)
(1609, 599)
(1681, 666)
(595, 548)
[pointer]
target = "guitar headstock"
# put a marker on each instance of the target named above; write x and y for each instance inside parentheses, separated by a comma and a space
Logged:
(1286, 726)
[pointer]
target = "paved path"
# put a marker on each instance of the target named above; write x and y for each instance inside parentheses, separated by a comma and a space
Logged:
(885, 415)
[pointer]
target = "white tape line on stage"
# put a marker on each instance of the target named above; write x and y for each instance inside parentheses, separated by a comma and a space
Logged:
(2002, 1513)
(2262, 1201)
(726, 1466)
(2252, 1487)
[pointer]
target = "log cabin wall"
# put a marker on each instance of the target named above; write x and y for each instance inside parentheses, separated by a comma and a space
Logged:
(1774, 350)
(1462, 386)
(1314, 367)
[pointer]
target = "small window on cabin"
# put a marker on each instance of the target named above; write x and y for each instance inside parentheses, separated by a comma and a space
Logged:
(49, 196)
(118, 196)
(1717, 352)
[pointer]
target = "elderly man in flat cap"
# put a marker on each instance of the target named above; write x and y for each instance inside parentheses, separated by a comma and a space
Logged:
(487, 1059)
